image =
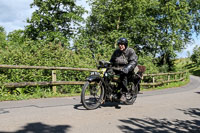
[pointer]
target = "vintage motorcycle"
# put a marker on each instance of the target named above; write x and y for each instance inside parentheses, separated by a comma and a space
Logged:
(104, 85)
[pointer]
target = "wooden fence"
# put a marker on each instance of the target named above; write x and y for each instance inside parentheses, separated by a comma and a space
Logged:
(178, 76)
(170, 77)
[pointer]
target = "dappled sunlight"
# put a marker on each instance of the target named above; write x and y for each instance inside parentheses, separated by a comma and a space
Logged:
(193, 112)
(163, 125)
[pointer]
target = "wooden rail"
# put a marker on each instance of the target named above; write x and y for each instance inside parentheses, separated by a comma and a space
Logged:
(162, 82)
(51, 83)
(54, 83)
(45, 68)
(182, 76)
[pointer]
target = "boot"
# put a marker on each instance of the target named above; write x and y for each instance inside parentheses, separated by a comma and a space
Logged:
(123, 98)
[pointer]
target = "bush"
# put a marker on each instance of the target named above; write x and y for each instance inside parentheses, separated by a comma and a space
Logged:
(195, 57)
(148, 62)
(40, 54)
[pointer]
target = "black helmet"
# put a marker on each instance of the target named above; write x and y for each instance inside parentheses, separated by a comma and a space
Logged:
(123, 41)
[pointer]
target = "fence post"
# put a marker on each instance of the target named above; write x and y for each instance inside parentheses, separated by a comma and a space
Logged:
(168, 78)
(153, 81)
(185, 73)
(180, 75)
(54, 79)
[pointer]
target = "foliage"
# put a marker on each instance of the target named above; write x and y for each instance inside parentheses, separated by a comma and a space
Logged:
(2, 37)
(187, 64)
(194, 64)
(159, 28)
(195, 57)
(41, 54)
(54, 20)
(16, 38)
(149, 63)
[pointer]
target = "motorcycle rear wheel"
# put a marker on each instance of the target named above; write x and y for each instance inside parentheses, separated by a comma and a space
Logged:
(131, 95)
(92, 95)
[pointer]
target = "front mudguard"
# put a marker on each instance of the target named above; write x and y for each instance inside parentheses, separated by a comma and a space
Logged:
(98, 78)
(93, 78)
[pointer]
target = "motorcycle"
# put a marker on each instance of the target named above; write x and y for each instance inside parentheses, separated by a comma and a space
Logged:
(104, 85)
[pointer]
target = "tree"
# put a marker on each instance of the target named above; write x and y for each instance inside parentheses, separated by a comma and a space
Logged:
(195, 57)
(2, 37)
(153, 27)
(16, 38)
(54, 20)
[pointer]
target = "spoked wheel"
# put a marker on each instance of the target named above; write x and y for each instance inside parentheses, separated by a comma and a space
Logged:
(132, 94)
(92, 95)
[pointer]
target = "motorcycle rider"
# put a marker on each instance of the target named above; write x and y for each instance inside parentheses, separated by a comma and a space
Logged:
(124, 58)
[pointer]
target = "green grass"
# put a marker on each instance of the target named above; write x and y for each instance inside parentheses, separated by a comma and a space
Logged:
(14, 97)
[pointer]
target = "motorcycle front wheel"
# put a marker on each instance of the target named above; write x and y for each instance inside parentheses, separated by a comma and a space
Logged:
(92, 95)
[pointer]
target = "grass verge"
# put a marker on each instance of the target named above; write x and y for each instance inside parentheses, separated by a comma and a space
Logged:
(14, 97)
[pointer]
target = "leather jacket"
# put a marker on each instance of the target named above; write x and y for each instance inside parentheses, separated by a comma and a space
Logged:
(126, 59)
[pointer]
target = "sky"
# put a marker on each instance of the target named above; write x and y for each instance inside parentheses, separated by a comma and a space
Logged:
(14, 14)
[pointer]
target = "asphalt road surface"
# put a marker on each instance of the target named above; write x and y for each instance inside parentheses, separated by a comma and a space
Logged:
(168, 111)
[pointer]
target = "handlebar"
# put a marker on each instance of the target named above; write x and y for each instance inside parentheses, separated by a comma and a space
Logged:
(104, 64)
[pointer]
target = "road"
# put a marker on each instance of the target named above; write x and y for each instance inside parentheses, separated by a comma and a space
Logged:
(169, 111)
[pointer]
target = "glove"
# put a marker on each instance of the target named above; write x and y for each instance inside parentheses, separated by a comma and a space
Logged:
(126, 69)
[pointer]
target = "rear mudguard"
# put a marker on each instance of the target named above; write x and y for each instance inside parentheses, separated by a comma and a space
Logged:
(93, 78)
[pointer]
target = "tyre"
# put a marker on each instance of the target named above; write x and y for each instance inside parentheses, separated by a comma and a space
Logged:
(132, 94)
(92, 95)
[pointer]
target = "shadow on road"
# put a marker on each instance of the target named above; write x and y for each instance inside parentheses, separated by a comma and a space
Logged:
(163, 125)
(41, 128)
(2, 111)
(79, 107)
(35, 106)
(193, 112)
(197, 92)
(107, 104)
